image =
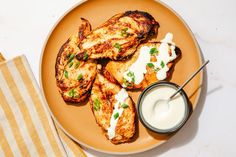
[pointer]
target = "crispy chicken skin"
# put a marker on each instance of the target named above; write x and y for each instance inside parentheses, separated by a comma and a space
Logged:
(116, 69)
(102, 102)
(118, 37)
(74, 78)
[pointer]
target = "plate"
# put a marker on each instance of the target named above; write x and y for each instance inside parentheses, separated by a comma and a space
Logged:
(77, 120)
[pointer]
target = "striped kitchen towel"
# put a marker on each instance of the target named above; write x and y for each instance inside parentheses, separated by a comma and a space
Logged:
(26, 128)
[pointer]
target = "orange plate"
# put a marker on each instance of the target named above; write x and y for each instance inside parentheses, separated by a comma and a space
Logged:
(77, 120)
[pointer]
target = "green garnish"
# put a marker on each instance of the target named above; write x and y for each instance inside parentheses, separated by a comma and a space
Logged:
(150, 65)
(77, 64)
(118, 46)
(66, 74)
(72, 93)
(71, 58)
(162, 64)
(125, 82)
(85, 56)
(80, 76)
(124, 105)
(153, 51)
(96, 104)
(132, 79)
(70, 65)
(116, 115)
(157, 69)
(124, 32)
(130, 74)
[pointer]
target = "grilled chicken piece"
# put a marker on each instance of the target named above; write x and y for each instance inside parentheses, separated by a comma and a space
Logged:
(103, 102)
(118, 37)
(74, 78)
(118, 69)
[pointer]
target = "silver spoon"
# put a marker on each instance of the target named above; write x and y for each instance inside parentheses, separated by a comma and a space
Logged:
(161, 101)
(189, 79)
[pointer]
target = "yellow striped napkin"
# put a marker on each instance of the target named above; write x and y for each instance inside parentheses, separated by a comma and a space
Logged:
(26, 128)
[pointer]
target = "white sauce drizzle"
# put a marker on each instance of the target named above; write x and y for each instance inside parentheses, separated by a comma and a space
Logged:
(138, 68)
(120, 97)
(163, 55)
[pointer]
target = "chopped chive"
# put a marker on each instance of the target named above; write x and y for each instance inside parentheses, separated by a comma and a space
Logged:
(72, 93)
(162, 64)
(70, 65)
(80, 76)
(71, 58)
(125, 82)
(77, 64)
(66, 74)
(124, 105)
(132, 79)
(153, 51)
(130, 74)
(124, 32)
(150, 65)
(116, 115)
(118, 46)
(85, 57)
(96, 104)
(157, 69)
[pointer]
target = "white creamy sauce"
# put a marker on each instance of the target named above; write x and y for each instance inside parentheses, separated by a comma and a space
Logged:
(162, 115)
(163, 55)
(120, 97)
(138, 68)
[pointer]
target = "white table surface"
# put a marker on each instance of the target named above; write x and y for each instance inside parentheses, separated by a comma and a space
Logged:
(211, 131)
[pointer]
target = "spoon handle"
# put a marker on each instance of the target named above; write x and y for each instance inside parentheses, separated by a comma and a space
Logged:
(189, 79)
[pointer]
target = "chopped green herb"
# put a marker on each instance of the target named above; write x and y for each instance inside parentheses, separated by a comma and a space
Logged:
(72, 93)
(80, 76)
(66, 74)
(71, 58)
(124, 105)
(85, 56)
(162, 64)
(132, 79)
(96, 104)
(157, 69)
(118, 46)
(116, 115)
(77, 64)
(71, 64)
(130, 74)
(150, 65)
(124, 32)
(153, 51)
(125, 82)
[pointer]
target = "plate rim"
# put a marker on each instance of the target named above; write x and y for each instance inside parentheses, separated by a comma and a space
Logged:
(201, 57)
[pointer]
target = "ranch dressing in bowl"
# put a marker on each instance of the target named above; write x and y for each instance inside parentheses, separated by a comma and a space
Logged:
(160, 115)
